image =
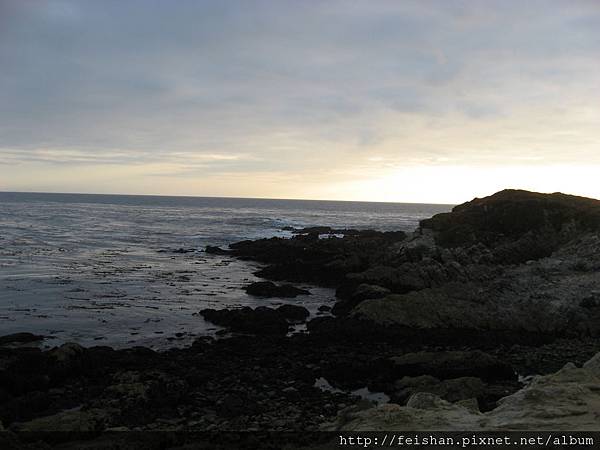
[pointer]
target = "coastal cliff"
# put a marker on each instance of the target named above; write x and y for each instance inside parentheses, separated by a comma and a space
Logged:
(444, 324)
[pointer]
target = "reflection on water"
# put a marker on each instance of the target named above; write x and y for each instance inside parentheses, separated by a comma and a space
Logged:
(127, 270)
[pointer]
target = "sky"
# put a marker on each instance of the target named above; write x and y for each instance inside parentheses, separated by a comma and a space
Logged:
(376, 100)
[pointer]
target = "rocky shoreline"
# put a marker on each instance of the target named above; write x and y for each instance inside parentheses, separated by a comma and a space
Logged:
(462, 312)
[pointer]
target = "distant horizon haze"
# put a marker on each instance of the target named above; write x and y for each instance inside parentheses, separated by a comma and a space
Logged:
(213, 197)
(209, 197)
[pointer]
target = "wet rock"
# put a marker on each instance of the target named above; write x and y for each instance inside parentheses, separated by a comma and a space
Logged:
(270, 289)
(315, 230)
(293, 313)
(20, 338)
(213, 250)
(307, 258)
(262, 320)
(184, 250)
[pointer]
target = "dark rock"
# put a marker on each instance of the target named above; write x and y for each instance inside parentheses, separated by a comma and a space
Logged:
(269, 289)
(358, 294)
(293, 313)
(20, 338)
(452, 390)
(351, 329)
(324, 308)
(406, 277)
(315, 230)
(591, 301)
(306, 258)
(453, 364)
(184, 250)
(538, 222)
(213, 250)
(369, 291)
(67, 352)
(232, 405)
(261, 320)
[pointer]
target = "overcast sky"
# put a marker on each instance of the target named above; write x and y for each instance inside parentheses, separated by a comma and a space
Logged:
(436, 101)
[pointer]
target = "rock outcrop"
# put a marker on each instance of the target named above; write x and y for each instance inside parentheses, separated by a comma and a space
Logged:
(496, 256)
(554, 296)
(517, 225)
(307, 258)
(566, 400)
(261, 321)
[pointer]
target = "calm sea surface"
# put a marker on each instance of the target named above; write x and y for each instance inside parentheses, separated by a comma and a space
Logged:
(104, 269)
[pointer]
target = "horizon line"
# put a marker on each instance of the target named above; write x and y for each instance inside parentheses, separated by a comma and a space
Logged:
(225, 197)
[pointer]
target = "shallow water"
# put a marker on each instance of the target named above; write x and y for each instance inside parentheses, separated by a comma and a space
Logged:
(107, 270)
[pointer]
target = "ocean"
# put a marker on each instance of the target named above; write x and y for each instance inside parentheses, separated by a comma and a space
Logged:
(125, 270)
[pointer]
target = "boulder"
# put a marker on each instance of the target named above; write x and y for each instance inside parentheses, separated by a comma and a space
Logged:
(67, 352)
(293, 313)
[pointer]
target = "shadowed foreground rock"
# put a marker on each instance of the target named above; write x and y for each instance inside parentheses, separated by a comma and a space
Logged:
(566, 400)
(453, 364)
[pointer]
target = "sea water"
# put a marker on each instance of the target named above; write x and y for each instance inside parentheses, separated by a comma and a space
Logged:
(124, 270)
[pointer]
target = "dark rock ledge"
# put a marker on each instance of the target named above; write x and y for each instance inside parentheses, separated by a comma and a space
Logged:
(514, 266)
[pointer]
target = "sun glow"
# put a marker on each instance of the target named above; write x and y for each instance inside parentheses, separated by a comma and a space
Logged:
(456, 184)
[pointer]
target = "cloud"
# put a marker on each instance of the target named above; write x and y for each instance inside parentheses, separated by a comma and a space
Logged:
(267, 86)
